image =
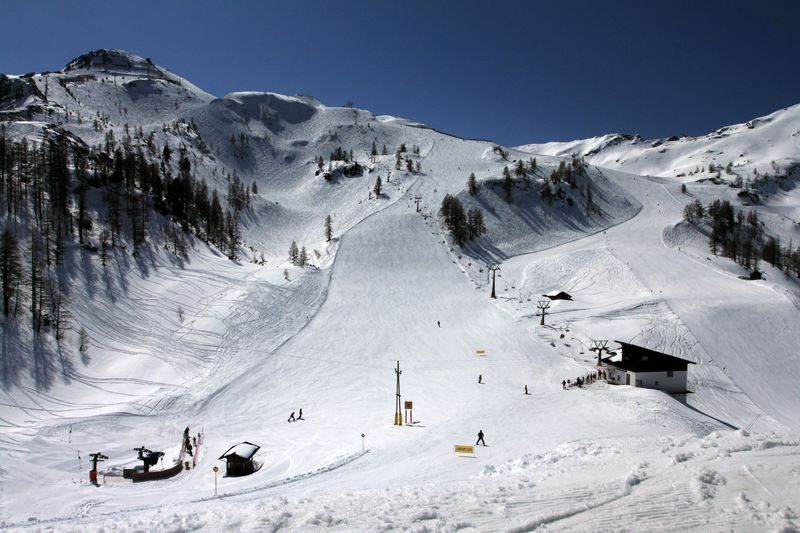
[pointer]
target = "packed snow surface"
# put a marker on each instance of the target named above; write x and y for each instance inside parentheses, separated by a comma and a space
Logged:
(230, 349)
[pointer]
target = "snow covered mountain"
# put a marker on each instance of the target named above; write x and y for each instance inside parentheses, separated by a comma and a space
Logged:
(231, 347)
(765, 145)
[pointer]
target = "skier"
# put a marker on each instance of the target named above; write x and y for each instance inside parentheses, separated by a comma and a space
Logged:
(194, 442)
(480, 379)
(564, 384)
(291, 417)
(438, 323)
(480, 438)
(526, 389)
(300, 417)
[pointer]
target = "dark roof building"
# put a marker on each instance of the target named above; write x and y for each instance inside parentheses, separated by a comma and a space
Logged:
(643, 367)
(639, 359)
(239, 459)
(557, 295)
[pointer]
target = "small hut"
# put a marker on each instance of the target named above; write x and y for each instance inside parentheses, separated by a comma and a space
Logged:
(239, 459)
(557, 295)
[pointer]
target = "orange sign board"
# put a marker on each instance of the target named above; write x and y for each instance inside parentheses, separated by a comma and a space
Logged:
(409, 405)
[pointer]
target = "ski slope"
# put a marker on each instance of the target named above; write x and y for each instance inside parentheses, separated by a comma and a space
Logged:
(253, 345)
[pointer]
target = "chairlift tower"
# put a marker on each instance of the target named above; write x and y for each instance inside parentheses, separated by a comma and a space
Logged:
(493, 269)
(599, 346)
(543, 306)
(398, 414)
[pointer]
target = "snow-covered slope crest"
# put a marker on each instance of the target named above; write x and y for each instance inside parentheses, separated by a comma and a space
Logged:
(119, 62)
(769, 144)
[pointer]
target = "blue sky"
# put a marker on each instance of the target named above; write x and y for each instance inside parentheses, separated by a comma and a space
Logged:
(513, 72)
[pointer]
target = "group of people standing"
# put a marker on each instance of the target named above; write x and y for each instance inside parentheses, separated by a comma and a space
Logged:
(299, 417)
(189, 444)
(587, 379)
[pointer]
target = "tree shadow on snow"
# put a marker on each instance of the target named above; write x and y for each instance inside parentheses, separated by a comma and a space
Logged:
(12, 359)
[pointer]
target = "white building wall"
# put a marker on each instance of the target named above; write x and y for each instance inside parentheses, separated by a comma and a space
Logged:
(615, 375)
(660, 381)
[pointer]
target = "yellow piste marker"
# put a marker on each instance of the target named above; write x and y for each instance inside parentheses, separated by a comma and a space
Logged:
(462, 450)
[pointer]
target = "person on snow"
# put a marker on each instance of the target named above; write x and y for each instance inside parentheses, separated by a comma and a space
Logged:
(480, 379)
(480, 438)
(526, 389)
(300, 416)
(438, 323)
(564, 384)
(291, 417)
(186, 433)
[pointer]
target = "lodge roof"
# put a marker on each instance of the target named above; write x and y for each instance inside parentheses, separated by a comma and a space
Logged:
(639, 359)
(557, 295)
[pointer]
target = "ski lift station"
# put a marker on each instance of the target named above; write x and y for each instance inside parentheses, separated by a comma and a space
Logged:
(642, 367)
(239, 459)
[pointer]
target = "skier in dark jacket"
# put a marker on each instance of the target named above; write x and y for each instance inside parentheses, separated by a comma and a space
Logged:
(480, 438)
(300, 416)
(291, 417)
(480, 378)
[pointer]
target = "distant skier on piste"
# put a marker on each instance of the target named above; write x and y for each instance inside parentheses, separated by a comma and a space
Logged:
(291, 417)
(480, 438)
(480, 379)
(300, 415)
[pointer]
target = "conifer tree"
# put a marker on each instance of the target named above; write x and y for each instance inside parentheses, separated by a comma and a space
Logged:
(589, 200)
(377, 188)
(508, 185)
(10, 269)
(294, 253)
(328, 228)
(472, 184)
(519, 170)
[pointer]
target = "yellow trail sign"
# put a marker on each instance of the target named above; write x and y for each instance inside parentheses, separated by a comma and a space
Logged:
(480, 352)
(462, 449)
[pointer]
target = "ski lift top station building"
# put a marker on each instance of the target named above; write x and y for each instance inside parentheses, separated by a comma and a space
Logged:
(642, 367)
